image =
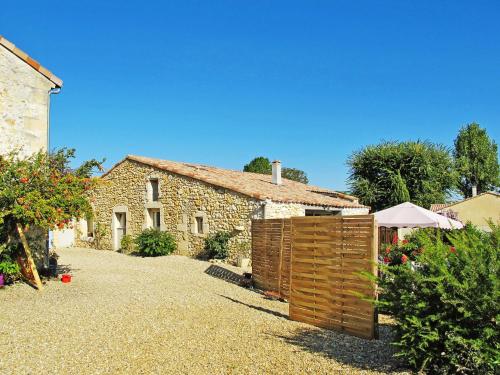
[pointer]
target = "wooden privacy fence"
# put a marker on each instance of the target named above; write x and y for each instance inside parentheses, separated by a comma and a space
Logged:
(321, 265)
(271, 250)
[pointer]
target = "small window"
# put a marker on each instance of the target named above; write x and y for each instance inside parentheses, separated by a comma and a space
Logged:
(153, 190)
(154, 219)
(157, 220)
(199, 225)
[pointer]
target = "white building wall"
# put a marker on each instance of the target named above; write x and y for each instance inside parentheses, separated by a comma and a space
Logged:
(24, 102)
(275, 210)
(354, 211)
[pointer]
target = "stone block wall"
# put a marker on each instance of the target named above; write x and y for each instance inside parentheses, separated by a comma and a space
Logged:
(24, 102)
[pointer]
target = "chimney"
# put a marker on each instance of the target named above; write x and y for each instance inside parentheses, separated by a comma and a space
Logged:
(474, 190)
(277, 172)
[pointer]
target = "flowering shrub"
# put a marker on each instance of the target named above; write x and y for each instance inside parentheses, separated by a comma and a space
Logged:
(447, 308)
(400, 252)
(41, 191)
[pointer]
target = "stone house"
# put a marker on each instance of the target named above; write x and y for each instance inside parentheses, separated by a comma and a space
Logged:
(192, 201)
(25, 90)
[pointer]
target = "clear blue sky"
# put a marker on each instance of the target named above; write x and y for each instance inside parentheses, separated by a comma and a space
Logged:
(219, 82)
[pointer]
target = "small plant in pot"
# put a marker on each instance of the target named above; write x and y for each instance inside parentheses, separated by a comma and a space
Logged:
(9, 269)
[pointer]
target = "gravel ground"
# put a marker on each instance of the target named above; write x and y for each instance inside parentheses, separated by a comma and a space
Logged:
(124, 314)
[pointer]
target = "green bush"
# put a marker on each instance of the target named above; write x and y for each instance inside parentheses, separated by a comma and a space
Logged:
(127, 244)
(9, 268)
(447, 303)
(153, 243)
(217, 245)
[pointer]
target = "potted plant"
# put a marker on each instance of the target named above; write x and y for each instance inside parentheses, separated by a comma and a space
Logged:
(9, 271)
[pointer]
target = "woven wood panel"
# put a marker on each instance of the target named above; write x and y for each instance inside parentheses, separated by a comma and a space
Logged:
(271, 245)
(327, 253)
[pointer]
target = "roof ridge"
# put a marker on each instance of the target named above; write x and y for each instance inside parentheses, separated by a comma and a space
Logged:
(469, 198)
(225, 169)
(249, 184)
(30, 61)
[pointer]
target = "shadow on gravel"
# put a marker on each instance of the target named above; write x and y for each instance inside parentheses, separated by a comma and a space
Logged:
(65, 268)
(375, 355)
(224, 274)
(258, 308)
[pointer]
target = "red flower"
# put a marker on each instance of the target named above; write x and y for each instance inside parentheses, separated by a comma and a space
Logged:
(24, 180)
(386, 260)
(387, 249)
(395, 239)
(405, 242)
(453, 250)
(404, 259)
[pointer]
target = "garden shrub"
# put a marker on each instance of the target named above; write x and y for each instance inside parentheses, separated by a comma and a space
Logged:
(8, 267)
(447, 302)
(153, 243)
(127, 244)
(217, 245)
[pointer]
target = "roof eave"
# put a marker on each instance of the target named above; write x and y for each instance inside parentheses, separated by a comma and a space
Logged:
(31, 62)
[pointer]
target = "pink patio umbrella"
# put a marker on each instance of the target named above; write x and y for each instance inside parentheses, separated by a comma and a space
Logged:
(409, 215)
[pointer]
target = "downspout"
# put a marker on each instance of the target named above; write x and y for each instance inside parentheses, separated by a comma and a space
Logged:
(55, 91)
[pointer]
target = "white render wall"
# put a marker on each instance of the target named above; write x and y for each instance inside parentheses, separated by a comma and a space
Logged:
(24, 102)
(275, 210)
(354, 211)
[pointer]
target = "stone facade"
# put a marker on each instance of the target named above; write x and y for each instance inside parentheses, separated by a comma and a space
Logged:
(135, 195)
(181, 200)
(24, 104)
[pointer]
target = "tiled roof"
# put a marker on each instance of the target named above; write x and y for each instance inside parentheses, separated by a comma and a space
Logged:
(438, 206)
(258, 186)
(31, 62)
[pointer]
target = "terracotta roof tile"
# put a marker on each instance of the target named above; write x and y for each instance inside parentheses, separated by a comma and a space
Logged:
(258, 186)
(438, 206)
(28, 60)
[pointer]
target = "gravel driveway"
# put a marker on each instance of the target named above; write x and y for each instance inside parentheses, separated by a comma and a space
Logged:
(124, 314)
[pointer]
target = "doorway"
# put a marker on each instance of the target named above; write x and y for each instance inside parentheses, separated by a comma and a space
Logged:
(120, 228)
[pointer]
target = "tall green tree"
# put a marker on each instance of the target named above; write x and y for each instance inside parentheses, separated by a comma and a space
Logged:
(294, 174)
(263, 165)
(390, 173)
(260, 165)
(476, 160)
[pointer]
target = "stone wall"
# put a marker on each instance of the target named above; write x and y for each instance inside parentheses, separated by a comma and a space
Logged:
(181, 199)
(24, 102)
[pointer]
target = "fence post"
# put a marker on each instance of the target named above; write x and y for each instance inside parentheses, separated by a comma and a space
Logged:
(374, 270)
